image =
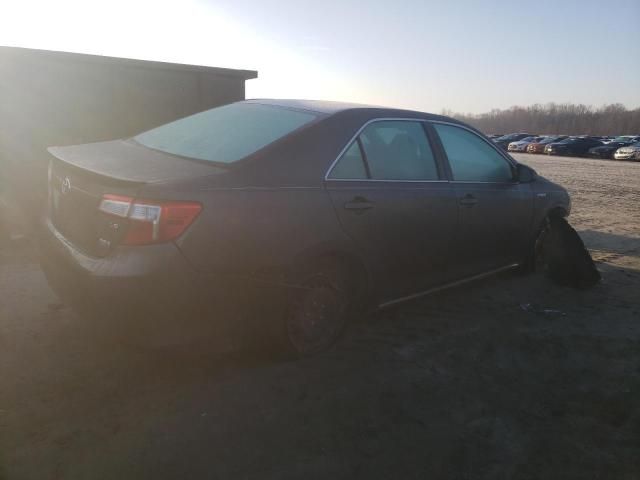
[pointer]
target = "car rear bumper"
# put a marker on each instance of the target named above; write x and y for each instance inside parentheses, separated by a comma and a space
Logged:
(150, 284)
(128, 272)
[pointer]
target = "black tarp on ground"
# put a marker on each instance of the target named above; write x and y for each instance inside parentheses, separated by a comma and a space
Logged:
(567, 260)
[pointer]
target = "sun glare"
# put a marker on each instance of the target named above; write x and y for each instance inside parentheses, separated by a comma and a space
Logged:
(184, 32)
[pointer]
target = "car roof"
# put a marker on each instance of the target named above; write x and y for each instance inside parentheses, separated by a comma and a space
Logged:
(326, 107)
(318, 106)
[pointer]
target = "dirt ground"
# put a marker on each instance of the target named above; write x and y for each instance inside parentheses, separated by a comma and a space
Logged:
(511, 377)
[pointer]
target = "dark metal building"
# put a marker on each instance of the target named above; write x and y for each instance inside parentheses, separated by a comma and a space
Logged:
(57, 98)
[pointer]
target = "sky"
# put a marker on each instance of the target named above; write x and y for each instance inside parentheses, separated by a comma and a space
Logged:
(465, 56)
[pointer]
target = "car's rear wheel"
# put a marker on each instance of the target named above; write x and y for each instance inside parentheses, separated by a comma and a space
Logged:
(322, 298)
(319, 308)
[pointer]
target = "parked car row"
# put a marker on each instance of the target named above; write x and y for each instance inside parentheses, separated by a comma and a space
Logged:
(620, 148)
(624, 147)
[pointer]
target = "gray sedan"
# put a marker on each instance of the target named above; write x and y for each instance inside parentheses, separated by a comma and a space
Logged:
(319, 209)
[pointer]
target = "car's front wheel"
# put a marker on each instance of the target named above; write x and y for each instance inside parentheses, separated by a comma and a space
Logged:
(534, 261)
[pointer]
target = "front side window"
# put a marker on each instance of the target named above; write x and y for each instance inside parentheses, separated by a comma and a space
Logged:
(471, 158)
(225, 134)
(398, 150)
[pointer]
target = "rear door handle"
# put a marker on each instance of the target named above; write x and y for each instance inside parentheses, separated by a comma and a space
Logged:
(468, 200)
(359, 203)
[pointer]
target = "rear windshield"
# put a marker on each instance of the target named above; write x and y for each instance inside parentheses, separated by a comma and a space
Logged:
(225, 134)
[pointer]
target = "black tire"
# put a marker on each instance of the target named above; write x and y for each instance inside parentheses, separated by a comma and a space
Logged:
(323, 299)
(319, 309)
(534, 261)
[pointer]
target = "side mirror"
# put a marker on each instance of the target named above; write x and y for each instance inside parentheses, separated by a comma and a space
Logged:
(526, 174)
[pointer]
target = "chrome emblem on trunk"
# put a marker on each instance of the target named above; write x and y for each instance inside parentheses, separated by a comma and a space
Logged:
(66, 186)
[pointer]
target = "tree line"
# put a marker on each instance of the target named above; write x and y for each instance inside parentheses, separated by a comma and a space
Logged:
(560, 118)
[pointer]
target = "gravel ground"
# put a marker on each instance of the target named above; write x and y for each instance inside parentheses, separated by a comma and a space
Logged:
(511, 377)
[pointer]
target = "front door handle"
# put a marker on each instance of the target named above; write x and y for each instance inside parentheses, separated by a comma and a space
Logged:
(359, 204)
(468, 200)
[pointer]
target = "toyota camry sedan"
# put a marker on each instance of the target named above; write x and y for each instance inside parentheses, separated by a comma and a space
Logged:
(316, 210)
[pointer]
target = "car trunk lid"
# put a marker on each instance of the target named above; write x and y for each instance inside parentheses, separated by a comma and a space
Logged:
(80, 175)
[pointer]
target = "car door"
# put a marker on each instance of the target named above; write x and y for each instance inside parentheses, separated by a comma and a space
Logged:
(392, 198)
(495, 211)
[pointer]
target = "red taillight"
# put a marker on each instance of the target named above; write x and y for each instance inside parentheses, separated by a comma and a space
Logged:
(150, 221)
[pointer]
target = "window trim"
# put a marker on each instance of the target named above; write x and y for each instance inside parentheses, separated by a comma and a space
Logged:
(509, 160)
(356, 142)
(363, 157)
(356, 137)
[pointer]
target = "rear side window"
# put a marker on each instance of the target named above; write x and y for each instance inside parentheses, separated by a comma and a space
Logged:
(471, 158)
(388, 150)
(398, 150)
(225, 134)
